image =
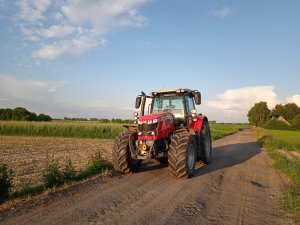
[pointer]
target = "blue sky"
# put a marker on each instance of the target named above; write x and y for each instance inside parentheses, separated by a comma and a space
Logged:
(90, 58)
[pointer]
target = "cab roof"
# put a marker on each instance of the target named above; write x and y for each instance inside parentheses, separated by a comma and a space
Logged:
(172, 90)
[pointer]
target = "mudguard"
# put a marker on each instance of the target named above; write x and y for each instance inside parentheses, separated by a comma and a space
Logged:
(197, 125)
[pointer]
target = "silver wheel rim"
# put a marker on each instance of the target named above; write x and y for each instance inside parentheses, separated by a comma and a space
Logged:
(191, 156)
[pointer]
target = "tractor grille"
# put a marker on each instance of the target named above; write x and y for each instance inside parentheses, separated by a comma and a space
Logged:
(147, 127)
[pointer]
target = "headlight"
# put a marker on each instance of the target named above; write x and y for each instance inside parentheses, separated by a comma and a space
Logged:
(140, 133)
(194, 114)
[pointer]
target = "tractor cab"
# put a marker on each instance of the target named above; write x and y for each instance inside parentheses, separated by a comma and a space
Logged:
(179, 102)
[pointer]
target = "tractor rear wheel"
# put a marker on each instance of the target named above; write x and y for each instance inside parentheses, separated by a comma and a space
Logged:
(121, 156)
(206, 143)
(182, 155)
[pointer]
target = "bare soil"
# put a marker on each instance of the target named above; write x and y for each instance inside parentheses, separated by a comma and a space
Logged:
(240, 186)
(288, 154)
(27, 156)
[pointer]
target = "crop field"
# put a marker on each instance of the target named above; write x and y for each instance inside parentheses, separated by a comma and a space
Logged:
(88, 129)
(27, 146)
(60, 129)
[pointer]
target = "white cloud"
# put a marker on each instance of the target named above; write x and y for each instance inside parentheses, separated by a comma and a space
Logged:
(32, 10)
(69, 47)
(234, 104)
(75, 21)
(58, 31)
(294, 99)
(103, 15)
(223, 12)
(29, 90)
(54, 31)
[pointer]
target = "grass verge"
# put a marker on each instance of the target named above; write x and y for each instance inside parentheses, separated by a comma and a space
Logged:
(273, 140)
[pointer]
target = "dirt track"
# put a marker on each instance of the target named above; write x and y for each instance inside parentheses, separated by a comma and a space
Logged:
(238, 187)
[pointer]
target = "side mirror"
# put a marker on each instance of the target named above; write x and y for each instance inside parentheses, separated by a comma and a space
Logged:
(138, 101)
(197, 96)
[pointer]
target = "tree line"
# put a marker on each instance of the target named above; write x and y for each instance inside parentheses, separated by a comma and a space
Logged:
(22, 114)
(260, 115)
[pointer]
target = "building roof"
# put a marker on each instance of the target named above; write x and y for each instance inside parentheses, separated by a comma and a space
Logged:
(281, 118)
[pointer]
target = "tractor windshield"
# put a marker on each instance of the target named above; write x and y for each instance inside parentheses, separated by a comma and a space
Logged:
(169, 103)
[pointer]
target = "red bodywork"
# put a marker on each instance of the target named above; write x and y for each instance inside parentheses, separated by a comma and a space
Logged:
(197, 125)
(165, 125)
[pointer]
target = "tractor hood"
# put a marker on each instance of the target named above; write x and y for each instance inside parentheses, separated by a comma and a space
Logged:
(154, 118)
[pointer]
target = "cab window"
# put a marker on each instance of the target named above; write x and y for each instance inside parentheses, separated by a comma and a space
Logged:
(189, 104)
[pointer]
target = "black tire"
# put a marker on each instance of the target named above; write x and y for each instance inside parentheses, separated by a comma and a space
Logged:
(182, 155)
(121, 156)
(206, 143)
(162, 160)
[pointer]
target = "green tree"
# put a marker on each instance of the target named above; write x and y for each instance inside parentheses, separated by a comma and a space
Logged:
(102, 120)
(278, 110)
(288, 111)
(296, 122)
(259, 114)
(31, 117)
(20, 113)
(43, 117)
(5, 114)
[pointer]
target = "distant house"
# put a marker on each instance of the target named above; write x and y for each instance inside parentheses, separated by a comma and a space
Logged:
(280, 118)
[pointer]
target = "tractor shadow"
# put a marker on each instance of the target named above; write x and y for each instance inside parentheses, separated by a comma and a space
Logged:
(223, 157)
(150, 165)
(227, 156)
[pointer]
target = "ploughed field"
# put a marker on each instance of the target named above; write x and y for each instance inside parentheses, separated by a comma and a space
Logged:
(28, 156)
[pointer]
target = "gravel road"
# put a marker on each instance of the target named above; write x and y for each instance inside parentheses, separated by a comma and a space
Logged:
(240, 186)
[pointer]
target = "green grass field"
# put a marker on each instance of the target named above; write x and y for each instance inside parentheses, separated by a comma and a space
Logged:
(285, 139)
(221, 130)
(89, 129)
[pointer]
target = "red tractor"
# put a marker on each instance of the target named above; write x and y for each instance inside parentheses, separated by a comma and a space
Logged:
(172, 132)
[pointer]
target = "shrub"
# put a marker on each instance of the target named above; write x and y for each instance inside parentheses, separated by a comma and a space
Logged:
(276, 124)
(52, 177)
(96, 164)
(69, 172)
(296, 122)
(6, 176)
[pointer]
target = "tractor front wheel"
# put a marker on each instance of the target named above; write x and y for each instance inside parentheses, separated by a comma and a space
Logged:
(182, 155)
(206, 143)
(121, 156)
